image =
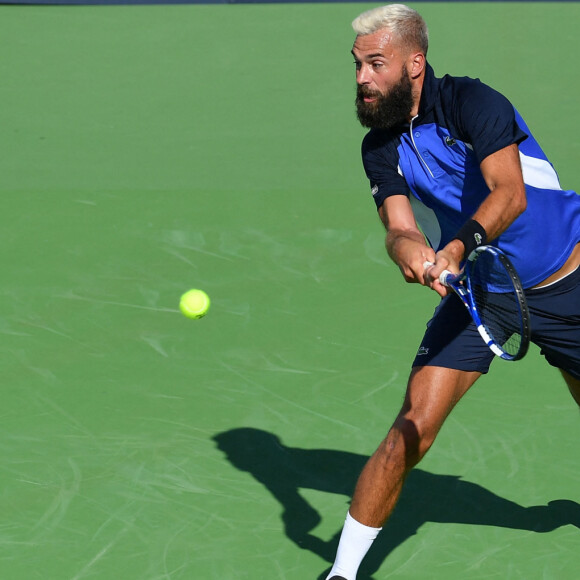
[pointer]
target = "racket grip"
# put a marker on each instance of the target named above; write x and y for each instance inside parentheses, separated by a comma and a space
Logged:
(442, 277)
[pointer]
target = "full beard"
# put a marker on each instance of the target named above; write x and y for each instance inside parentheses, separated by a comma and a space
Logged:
(388, 110)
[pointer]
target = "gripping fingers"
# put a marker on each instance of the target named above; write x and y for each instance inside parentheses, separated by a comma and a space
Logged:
(426, 266)
(442, 277)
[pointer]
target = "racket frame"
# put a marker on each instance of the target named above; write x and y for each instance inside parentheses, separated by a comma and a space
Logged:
(460, 284)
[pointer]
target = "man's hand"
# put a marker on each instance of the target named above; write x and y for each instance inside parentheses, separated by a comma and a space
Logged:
(431, 277)
(446, 259)
(410, 253)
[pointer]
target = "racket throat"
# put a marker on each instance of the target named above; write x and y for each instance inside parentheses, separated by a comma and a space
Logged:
(489, 341)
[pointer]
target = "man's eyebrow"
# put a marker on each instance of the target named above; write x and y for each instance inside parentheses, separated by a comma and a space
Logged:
(369, 56)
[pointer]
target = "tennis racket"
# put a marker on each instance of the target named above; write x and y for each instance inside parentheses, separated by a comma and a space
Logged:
(490, 288)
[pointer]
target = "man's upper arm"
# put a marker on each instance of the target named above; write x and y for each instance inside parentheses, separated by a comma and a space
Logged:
(503, 168)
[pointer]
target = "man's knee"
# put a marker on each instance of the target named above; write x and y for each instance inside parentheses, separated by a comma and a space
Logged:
(415, 438)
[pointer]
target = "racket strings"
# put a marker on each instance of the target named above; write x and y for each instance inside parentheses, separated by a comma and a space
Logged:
(500, 314)
(497, 302)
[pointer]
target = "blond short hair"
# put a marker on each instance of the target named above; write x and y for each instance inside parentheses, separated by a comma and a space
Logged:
(405, 23)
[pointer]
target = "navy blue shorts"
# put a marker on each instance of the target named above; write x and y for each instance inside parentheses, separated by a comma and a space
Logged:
(452, 341)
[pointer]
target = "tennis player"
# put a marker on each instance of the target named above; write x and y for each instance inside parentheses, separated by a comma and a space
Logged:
(452, 166)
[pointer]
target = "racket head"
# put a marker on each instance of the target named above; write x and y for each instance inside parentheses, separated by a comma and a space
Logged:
(498, 302)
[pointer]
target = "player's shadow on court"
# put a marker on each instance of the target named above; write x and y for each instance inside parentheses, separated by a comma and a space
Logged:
(426, 497)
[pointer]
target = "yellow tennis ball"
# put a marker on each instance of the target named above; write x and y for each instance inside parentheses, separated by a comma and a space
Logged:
(194, 304)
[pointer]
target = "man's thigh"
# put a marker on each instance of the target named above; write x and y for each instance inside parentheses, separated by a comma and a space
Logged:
(555, 321)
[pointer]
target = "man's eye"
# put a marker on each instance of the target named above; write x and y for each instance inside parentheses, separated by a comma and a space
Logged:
(377, 64)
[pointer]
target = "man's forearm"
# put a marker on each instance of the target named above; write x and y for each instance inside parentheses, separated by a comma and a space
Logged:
(399, 243)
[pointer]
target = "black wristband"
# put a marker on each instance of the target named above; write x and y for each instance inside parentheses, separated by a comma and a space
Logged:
(472, 235)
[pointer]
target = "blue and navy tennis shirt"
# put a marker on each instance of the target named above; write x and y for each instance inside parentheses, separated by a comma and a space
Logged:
(435, 162)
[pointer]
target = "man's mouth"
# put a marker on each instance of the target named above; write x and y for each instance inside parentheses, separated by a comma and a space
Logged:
(368, 96)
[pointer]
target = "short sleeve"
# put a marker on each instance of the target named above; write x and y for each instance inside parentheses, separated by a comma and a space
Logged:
(486, 118)
(380, 161)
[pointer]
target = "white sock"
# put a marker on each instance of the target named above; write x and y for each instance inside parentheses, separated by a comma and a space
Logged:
(355, 541)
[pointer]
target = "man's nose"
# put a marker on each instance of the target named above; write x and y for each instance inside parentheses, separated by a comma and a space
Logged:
(362, 75)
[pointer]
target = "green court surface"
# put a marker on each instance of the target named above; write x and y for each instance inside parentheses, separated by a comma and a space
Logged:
(148, 150)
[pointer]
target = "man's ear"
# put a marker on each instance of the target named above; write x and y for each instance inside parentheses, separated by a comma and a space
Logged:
(416, 64)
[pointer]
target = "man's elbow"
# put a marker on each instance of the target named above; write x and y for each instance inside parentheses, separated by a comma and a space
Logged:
(520, 200)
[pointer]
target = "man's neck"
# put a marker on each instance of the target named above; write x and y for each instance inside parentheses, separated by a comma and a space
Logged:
(417, 92)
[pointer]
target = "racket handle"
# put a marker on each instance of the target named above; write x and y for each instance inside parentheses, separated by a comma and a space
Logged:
(442, 277)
